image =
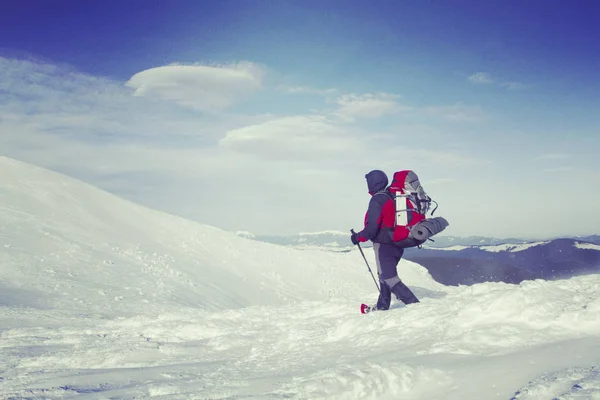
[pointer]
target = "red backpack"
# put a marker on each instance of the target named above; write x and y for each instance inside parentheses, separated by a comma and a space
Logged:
(410, 206)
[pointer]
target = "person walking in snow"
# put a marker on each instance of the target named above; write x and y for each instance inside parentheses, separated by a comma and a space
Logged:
(387, 253)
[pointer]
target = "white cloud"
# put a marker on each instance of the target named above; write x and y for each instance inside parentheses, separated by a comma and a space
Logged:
(295, 137)
(481, 78)
(200, 87)
(354, 106)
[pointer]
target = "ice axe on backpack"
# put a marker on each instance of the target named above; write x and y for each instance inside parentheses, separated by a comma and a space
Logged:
(365, 258)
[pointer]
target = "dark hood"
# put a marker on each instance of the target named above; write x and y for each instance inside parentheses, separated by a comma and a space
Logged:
(376, 180)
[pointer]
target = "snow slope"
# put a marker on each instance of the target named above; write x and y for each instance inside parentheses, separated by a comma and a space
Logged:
(74, 246)
(101, 298)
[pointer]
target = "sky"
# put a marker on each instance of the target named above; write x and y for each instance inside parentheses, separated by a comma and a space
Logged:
(265, 116)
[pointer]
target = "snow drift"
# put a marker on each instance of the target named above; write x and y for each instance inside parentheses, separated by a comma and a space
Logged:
(102, 298)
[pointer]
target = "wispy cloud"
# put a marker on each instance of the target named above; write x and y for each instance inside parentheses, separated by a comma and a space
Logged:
(559, 169)
(306, 137)
(480, 78)
(446, 158)
(308, 90)
(200, 87)
(353, 106)
(485, 78)
(424, 159)
(553, 157)
(458, 113)
(513, 85)
(63, 102)
(442, 181)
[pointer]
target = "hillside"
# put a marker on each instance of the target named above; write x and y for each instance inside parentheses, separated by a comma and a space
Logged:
(73, 246)
(102, 298)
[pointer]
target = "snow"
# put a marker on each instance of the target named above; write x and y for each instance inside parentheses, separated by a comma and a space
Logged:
(102, 298)
(449, 248)
(492, 248)
(570, 383)
(245, 234)
(587, 246)
(511, 247)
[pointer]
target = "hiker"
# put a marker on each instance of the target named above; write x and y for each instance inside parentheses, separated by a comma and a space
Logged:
(379, 228)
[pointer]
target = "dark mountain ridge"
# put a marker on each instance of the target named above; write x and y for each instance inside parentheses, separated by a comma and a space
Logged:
(466, 265)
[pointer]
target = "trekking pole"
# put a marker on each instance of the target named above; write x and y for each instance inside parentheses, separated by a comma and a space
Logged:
(365, 258)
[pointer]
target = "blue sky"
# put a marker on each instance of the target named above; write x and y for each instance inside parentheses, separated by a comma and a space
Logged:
(494, 104)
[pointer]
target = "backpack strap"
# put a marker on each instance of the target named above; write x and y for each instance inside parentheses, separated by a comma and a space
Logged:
(386, 192)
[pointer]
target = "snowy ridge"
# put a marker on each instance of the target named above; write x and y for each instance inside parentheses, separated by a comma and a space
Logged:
(102, 298)
(510, 247)
(451, 248)
(587, 246)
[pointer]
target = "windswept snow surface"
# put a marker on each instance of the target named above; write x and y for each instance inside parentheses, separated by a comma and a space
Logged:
(101, 298)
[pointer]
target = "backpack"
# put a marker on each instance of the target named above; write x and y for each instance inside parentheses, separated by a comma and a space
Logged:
(411, 204)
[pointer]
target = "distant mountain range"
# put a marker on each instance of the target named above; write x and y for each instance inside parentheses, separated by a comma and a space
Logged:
(447, 241)
(454, 260)
(337, 240)
(330, 240)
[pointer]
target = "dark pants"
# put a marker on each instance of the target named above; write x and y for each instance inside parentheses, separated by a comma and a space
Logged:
(388, 256)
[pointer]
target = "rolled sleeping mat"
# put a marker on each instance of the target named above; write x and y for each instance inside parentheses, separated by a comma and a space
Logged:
(420, 232)
(428, 228)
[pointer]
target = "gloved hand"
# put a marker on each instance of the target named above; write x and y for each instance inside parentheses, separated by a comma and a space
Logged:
(354, 238)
